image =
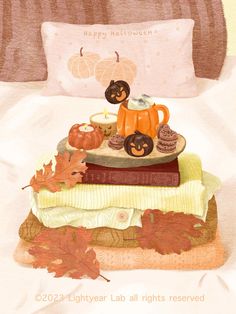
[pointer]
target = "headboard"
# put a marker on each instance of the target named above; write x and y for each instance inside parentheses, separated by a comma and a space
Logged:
(22, 56)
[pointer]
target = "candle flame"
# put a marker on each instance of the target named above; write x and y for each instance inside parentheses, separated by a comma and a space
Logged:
(105, 111)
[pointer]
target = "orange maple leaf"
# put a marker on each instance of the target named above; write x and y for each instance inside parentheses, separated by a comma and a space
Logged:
(44, 178)
(65, 251)
(68, 170)
(69, 167)
(167, 232)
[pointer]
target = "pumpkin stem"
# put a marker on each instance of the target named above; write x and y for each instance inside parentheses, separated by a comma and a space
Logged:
(117, 56)
(81, 55)
(138, 133)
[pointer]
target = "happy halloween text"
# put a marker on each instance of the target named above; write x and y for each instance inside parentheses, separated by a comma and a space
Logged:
(119, 33)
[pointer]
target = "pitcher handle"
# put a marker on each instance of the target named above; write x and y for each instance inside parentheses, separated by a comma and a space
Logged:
(166, 113)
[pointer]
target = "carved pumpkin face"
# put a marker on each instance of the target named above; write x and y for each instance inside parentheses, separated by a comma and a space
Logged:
(108, 130)
(117, 92)
(138, 144)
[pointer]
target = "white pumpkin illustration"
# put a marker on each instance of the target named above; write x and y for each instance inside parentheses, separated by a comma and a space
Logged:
(82, 64)
(115, 68)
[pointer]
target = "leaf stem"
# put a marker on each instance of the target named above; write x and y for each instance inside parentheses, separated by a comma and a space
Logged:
(108, 280)
(27, 186)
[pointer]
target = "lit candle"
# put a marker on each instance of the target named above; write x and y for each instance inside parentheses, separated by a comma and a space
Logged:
(105, 113)
(106, 121)
(86, 128)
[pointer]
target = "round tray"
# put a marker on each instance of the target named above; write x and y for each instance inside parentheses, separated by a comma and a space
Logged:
(105, 156)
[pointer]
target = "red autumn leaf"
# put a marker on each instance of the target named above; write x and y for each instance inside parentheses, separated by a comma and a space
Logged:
(65, 251)
(68, 170)
(167, 232)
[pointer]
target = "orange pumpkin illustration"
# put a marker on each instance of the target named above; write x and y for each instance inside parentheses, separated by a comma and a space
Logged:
(82, 65)
(145, 121)
(115, 68)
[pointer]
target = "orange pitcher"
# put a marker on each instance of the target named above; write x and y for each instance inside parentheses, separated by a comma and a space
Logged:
(146, 121)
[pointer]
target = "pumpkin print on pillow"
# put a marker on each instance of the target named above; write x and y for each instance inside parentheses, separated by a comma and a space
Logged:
(115, 68)
(82, 65)
(154, 58)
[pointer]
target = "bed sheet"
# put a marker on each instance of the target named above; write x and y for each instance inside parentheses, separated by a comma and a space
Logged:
(32, 124)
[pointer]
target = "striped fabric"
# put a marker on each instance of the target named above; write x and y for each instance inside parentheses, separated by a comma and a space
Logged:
(21, 53)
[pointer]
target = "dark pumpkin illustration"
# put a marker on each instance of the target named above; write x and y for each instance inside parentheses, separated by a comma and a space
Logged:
(117, 92)
(138, 144)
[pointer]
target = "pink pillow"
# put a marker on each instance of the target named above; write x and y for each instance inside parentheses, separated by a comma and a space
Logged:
(153, 57)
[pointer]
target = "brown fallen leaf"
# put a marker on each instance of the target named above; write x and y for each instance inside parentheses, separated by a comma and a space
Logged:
(167, 232)
(65, 252)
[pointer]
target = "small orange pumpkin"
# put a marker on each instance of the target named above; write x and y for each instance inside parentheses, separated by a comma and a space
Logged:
(82, 65)
(115, 69)
(85, 136)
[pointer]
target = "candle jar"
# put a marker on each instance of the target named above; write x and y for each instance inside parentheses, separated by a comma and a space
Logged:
(85, 136)
(107, 122)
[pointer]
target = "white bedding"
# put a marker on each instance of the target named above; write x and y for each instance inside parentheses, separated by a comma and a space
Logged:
(31, 125)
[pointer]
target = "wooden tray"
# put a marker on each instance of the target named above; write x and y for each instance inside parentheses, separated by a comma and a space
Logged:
(105, 156)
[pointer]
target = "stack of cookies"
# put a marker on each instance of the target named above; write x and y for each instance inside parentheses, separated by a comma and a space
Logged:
(167, 139)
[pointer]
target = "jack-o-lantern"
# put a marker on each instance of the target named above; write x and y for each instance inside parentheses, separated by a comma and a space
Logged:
(82, 64)
(117, 92)
(85, 136)
(115, 69)
(138, 144)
